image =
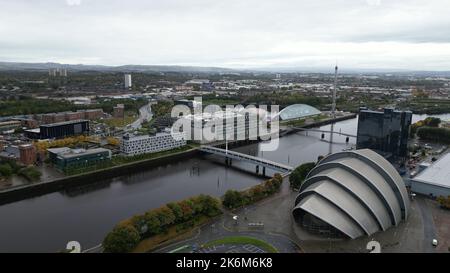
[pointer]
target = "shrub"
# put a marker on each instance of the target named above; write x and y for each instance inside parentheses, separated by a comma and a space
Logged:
(444, 202)
(122, 239)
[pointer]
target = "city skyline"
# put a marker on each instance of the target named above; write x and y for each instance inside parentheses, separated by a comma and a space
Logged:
(358, 34)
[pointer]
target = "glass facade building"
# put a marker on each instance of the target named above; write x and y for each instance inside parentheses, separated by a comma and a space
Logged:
(386, 132)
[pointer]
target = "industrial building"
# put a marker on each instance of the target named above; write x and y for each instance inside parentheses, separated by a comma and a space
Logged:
(433, 181)
(66, 158)
(59, 130)
(385, 132)
(351, 194)
(136, 145)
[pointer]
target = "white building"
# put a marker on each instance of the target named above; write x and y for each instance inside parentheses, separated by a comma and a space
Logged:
(223, 125)
(433, 180)
(128, 83)
(136, 145)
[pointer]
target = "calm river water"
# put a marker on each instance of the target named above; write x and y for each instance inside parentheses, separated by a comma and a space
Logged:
(86, 214)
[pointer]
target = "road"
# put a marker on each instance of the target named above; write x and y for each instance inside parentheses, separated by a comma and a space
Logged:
(428, 225)
(145, 114)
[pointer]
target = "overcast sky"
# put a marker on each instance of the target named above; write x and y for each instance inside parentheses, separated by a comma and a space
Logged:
(395, 34)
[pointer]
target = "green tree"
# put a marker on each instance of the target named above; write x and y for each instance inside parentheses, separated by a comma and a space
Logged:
(6, 170)
(177, 212)
(187, 209)
(432, 122)
(299, 174)
(434, 134)
(210, 205)
(233, 199)
(121, 239)
(153, 223)
(165, 216)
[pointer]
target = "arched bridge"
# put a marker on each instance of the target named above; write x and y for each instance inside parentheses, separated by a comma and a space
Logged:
(264, 163)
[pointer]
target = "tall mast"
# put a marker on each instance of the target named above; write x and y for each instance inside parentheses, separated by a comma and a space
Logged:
(333, 109)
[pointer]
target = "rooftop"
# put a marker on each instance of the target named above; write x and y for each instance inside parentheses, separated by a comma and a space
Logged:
(437, 174)
(65, 123)
(79, 152)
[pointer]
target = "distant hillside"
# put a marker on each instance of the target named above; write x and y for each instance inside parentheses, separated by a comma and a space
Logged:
(125, 68)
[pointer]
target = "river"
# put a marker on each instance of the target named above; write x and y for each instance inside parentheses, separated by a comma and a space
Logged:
(86, 214)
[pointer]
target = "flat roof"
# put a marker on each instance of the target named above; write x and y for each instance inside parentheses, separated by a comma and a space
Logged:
(64, 123)
(437, 174)
(80, 152)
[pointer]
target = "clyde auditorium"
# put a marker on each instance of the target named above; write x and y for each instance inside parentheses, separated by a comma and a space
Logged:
(351, 194)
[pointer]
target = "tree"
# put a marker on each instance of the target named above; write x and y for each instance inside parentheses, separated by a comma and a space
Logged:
(233, 199)
(432, 122)
(299, 174)
(121, 239)
(177, 212)
(153, 223)
(165, 216)
(6, 170)
(187, 209)
(210, 205)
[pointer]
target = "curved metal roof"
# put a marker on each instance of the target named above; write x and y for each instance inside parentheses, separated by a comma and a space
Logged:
(356, 186)
(296, 111)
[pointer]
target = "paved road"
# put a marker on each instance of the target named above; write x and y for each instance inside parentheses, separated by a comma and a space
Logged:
(428, 225)
(218, 230)
(145, 114)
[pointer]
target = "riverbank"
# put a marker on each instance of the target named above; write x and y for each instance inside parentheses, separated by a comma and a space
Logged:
(37, 189)
(41, 188)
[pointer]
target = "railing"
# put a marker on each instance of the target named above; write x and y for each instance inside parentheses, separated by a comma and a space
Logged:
(239, 156)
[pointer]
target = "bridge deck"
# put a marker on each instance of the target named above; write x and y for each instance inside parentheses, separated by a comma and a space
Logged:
(244, 157)
(322, 131)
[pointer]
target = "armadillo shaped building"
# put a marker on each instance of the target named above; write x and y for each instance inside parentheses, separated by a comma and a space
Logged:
(351, 194)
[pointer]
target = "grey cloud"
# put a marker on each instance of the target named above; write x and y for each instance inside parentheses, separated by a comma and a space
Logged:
(226, 32)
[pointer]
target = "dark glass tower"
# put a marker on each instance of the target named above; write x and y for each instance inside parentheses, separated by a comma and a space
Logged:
(386, 132)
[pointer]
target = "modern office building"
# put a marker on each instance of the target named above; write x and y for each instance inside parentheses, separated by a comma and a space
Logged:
(59, 130)
(385, 132)
(223, 125)
(434, 180)
(66, 158)
(135, 145)
(128, 82)
(351, 194)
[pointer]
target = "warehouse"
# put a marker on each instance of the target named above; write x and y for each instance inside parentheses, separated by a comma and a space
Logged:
(434, 181)
(59, 130)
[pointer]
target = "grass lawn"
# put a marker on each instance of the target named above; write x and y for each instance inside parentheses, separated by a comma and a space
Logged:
(119, 122)
(242, 240)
